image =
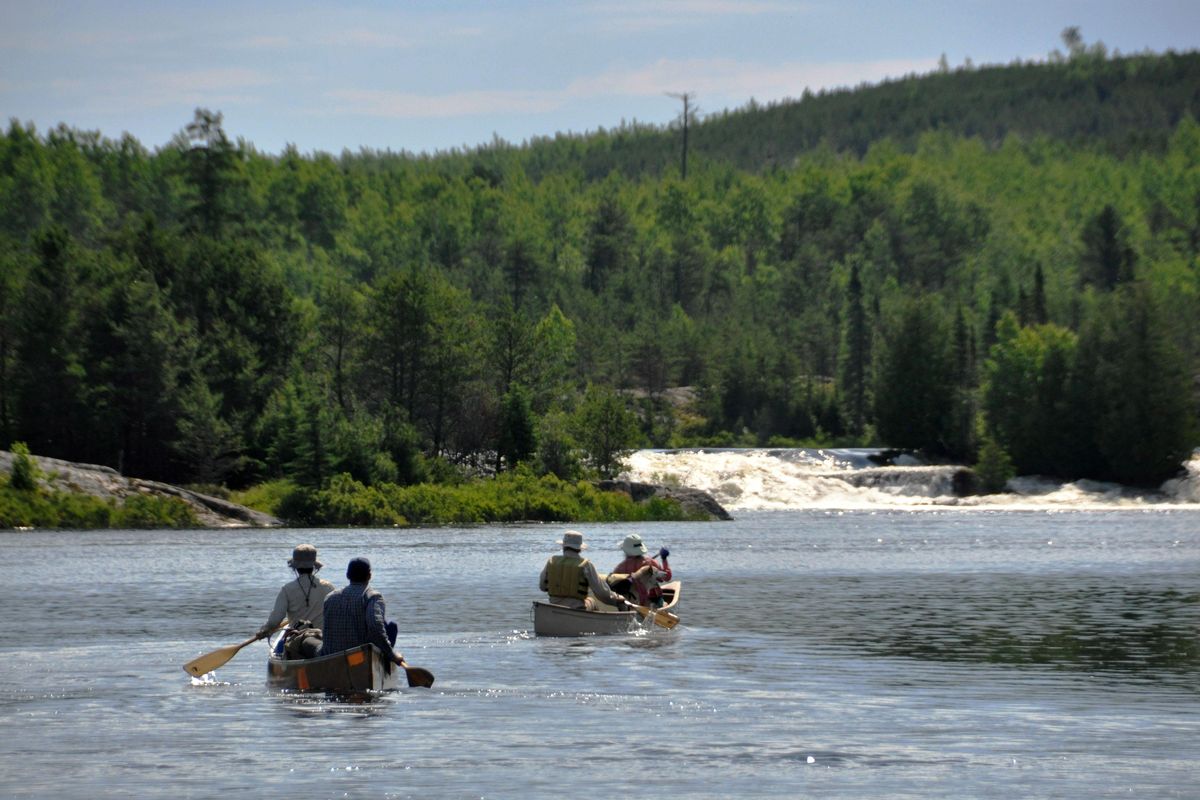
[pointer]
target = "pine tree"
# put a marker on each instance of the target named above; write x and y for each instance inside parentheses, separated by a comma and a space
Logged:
(518, 436)
(856, 356)
(914, 384)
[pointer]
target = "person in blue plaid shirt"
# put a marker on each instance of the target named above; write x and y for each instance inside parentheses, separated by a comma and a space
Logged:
(355, 614)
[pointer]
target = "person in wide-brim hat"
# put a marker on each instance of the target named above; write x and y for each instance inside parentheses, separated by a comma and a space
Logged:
(304, 555)
(639, 573)
(302, 599)
(568, 578)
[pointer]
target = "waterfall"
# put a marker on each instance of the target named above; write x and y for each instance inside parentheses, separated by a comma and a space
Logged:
(859, 478)
(1186, 489)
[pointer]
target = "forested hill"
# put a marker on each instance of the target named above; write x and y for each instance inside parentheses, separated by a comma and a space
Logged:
(1124, 104)
(999, 265)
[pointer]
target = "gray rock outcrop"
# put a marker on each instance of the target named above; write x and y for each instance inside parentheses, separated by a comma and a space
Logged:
(107, 483)
(692, 500)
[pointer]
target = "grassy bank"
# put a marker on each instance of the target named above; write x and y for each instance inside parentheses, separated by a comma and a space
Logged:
(23, 508)
(511, 497)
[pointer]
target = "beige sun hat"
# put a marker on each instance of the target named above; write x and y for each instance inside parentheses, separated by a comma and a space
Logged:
(573, 540)
(633, 545)
(304, 556)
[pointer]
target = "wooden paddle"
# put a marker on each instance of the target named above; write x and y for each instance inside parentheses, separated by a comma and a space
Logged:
(202, 665)
(664, 619)
(418, 676)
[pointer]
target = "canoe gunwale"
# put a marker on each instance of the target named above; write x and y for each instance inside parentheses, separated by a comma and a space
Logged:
(356, 670)
(554, 620)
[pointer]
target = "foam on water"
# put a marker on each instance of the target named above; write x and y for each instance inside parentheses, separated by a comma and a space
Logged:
(806, 478)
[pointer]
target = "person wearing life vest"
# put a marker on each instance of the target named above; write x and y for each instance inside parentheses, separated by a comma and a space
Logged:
(641, 574)
(568, 577)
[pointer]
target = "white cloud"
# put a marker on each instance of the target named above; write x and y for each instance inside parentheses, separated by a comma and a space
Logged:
(635, 16)
(362, 37)
(264, 43)
(212, 87)
(207, 80)
(728, 78)
(409, 105)
(724, 83)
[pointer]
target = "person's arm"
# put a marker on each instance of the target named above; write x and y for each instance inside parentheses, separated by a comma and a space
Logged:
(544, 580)
(665, 569)
(278, 613)
(663, 553)
(377, 629)
(602, 589)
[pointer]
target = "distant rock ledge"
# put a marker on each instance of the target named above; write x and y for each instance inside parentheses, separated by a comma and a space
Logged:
(107, 483)
(692, 500)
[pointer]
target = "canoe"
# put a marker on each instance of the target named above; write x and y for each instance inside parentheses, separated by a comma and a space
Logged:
(554, 620)
(359, 669)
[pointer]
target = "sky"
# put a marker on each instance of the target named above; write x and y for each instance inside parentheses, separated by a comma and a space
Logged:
(432, 76)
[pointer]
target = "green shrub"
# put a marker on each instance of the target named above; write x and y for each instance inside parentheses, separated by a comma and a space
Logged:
(82, 511)
(514, 496)
(994, 468)
(346, 501)
(25, 472)
(265, 497)
(21, 509)
(144, 511)
(298, 506)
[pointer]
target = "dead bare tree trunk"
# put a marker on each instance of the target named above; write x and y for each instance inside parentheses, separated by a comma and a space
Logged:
(686, 97)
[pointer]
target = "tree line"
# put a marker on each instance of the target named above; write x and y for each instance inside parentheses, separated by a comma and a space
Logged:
(207, 313)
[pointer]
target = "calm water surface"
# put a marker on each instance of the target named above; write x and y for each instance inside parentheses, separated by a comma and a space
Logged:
(951, 654)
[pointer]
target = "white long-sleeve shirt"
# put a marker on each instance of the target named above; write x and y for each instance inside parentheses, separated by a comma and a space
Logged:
(303, 598)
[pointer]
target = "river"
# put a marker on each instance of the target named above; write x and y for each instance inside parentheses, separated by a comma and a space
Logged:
(883, 653)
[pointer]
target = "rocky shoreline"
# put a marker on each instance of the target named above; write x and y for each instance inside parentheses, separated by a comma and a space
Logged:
(214, 512)
(108, 484)
(696, 501)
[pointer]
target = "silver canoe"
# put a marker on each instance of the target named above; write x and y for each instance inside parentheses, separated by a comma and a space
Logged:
(553, 620)
(360, 669)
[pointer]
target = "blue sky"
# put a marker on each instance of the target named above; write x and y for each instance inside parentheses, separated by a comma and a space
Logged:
(432, 76)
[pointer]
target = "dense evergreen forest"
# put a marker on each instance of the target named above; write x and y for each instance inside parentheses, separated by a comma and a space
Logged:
(998, 263)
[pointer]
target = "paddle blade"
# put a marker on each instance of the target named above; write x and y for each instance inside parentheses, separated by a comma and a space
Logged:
(418, 676)
(209, 661)
(664, 619)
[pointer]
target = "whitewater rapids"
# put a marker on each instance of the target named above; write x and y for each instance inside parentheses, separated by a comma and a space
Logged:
(850, 479)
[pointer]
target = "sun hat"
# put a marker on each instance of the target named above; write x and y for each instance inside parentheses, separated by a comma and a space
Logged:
(573, 540)
(633, 545)
(304, 556)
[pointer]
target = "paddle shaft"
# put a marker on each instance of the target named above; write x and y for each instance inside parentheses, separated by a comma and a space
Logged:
(202, 665)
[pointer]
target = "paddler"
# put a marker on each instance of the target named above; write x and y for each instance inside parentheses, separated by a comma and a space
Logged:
(356, 614)
(641, 573)
(568, 577)
(302, 599)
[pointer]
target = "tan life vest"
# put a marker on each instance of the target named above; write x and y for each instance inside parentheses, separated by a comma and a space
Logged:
(565, 577)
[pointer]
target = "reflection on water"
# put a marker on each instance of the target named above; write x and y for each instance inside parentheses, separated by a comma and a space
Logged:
(960, 654)
(305, 705)
(1087, 626)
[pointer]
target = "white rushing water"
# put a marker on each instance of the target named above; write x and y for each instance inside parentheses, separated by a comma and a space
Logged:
(811, 478)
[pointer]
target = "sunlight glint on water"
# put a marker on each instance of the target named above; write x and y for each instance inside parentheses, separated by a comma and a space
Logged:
(882, 654)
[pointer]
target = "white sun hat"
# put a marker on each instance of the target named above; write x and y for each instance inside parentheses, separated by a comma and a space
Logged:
(633, 545)
(573, 540)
